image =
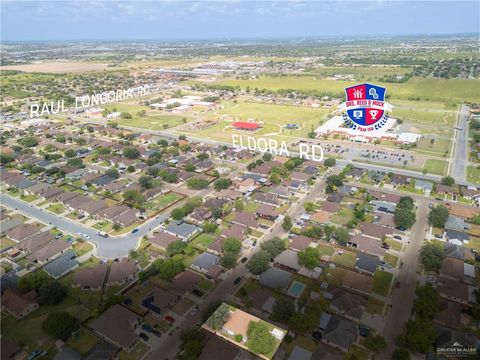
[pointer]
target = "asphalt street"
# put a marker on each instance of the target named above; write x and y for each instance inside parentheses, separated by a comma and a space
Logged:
(460, 151)
(107, 248)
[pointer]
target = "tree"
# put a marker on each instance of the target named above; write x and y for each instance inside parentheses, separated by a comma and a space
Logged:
(342, 235)
(113, 173)
(125, 115)
(432, 255)
(75, 162)
(259, 262)
(376, 343)
(219, 317)
(228, 260)
(178, 213)
(222, 183)
(176, 247)
(310, 257)
(448, 181)
(32, 281)
(197, 183)
(167, 269)
(202, 156)
(209, 228)
(52, 293)
(330, 162)
(211, 307)
(426, 303)
(309, 206)
(438, 216)
(131, 152)
(419, 335)
(287, 223)
(28, 141)
(260, 340)
(192, 342)
(283, 309)
(273, 246)
(404, 213)
(70, 153)
(333, 183)
(190, 167)
(130, 195)
(239, 205)
(6, 158)
(267, 156)
(60, 325)
(146, 181)
(275, 178)
(401, 354)
(232, 245)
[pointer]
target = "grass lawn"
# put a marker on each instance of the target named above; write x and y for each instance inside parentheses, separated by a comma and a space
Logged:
(205, 284)
(358, 353)
(438, 148)
(448, 91)
(375, 306)
(435, 166)
(29, 198)
(103, 226)
(162, 201)
(57, 208)
(202, 241)
(342, 216)
(347, 259)
(82, 248)
(381, 282)
(153, 121)
(251, 206)
(474, 243)
(325, 249)
(83, 341)
(473, 174)
(27, 332)
(390, 259)
(335, 276)
(395, 245)
(6, 242)
(183, 306)
(137, 353)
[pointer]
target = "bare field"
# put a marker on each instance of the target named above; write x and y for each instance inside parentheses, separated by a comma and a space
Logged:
(57, 67)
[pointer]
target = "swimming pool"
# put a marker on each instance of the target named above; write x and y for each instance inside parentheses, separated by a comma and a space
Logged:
(295, 289)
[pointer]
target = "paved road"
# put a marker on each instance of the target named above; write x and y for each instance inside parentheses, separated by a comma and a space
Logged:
(107, 248)
(168, 347)
(460, 151)
(402, 298)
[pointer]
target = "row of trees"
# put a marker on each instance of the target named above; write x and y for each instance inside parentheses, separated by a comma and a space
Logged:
(260, 261)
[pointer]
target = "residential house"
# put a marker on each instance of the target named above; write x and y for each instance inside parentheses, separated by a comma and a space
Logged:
(62, 265)
(91, 278)
(118, 325)
(358, 282)
(287, 260)
(339, 333)
(184, 282)
(49, 252)
(162, 239)
(21, 232)
(19, 305)
(349, 305)
(246, 219)
(122, 272)
(367, 263)
(182, 230)
(275, 278)
(159, 301)
(268, 212)
(300, 242)
(204, 262)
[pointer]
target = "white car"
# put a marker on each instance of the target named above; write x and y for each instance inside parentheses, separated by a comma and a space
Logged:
(194, 310)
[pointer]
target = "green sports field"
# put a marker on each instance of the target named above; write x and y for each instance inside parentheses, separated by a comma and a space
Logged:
(274, 118)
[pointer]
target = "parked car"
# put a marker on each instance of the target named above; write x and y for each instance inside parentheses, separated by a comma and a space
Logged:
(59, 235)
(134, 230)
(237, 280)
(397, 284)
(170, 319)
(194, 310)
(156, 333)
(144, 337)
(244, 259)
(147, 328)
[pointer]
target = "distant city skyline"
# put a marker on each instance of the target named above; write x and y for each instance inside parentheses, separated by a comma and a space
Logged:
(190, 20)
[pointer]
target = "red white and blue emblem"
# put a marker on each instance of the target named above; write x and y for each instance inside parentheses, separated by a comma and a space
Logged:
(365, 106)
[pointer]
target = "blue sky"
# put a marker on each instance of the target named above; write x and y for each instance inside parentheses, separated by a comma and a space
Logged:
(116, 20)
